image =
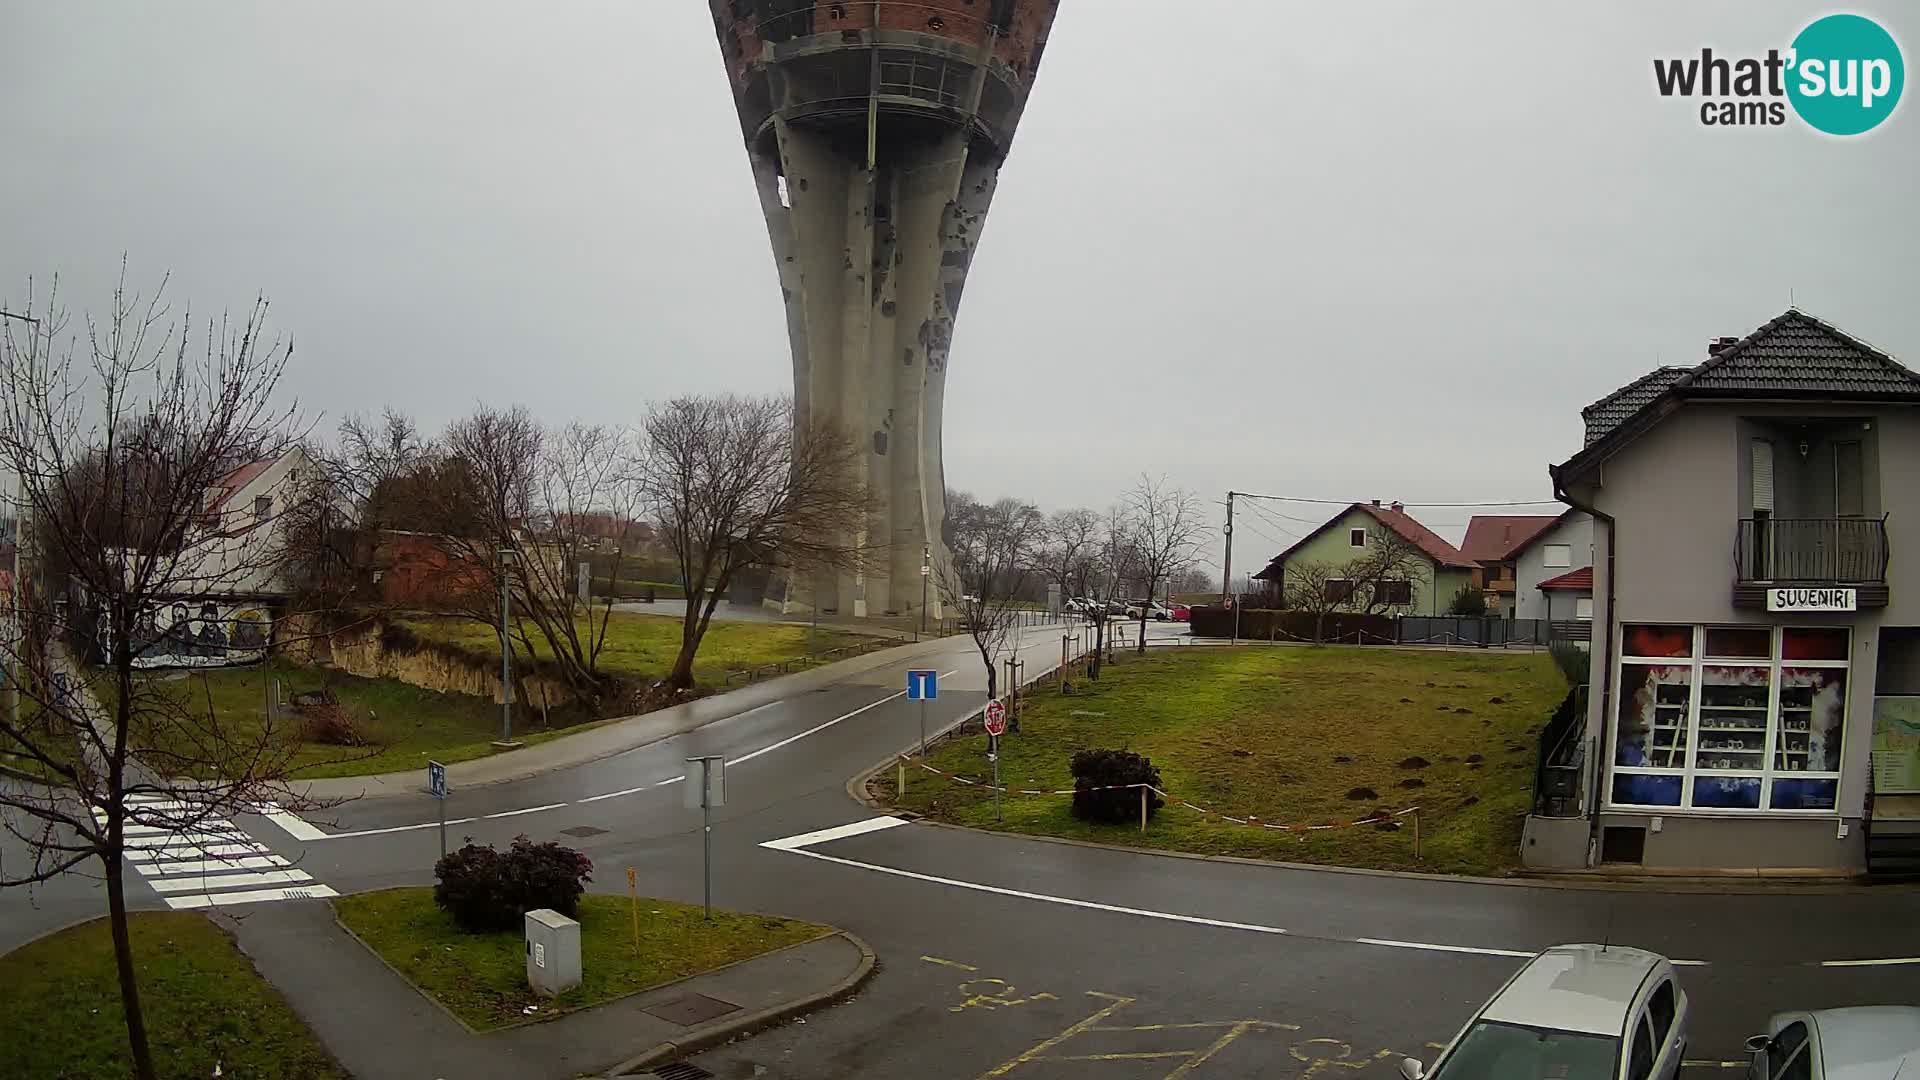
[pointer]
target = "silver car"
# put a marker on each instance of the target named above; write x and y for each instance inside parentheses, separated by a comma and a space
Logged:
(1873, 1042)
(1575, 1012)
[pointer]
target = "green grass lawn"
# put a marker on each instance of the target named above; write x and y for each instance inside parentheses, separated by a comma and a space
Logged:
(482, 977)
(405, 725)
(1284, 735)
(205, 1006)
(644, 646)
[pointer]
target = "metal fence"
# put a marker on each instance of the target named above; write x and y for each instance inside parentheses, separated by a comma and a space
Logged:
(1486, 631)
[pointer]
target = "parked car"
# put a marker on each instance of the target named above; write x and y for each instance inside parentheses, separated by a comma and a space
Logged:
(1153, 610)
(1576, 1012)
(1873, 1042)
(1181, 613)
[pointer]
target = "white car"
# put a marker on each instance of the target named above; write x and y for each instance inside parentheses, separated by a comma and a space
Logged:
(1872, 1042)
(1575, 1012)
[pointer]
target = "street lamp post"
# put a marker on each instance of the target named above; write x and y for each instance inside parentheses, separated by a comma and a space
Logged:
(926, 571)
(506, 650)
(17, 624)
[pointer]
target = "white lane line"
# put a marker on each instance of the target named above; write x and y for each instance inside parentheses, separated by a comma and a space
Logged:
(201, 866)
(206, 883)
(295, 827)
(838, 832)
(193, 851)
(670, 780)
(1892, 961)
(617, 794)
(795, 845)
(298, 892)
(817, 728)
(396, 828)
(1066, 901)
(528, 810)
(1431, 947)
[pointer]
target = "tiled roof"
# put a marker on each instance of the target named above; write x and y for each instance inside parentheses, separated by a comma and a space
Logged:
(1797, 353)
(1580, 580)
(1490, 537)
(230, 484)
(1418, 535)
(1604, 415)
(1429, 542)
(1792, 356)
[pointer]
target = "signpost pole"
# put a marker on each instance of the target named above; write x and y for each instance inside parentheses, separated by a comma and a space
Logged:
(706, 837)
(633, 897)
(993, 757)
(437, 787)
(923, 729)
(711, 776)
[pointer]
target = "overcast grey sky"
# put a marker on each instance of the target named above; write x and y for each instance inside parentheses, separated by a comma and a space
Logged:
(1355, 250)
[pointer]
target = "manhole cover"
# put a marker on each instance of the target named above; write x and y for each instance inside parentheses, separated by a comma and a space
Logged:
(691, 1009)
(681, 1070)
(583, 830)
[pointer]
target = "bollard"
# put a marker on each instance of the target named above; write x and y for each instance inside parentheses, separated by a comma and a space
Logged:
(1416, 836)
(1143, 808)
(900, 788)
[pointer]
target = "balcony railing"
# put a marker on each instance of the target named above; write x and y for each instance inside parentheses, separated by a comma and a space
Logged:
(1843, 550)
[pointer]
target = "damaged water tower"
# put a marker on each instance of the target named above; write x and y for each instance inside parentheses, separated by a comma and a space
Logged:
(876, 131)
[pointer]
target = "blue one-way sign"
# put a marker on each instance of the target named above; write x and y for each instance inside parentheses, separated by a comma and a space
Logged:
(923, 685)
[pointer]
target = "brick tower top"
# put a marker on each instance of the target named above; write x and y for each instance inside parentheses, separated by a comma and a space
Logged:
(839, 65)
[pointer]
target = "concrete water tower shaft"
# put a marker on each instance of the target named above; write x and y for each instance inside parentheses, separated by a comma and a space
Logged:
(876, 132)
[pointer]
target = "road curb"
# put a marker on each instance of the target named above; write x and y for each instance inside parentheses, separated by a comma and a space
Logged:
(711, 1035)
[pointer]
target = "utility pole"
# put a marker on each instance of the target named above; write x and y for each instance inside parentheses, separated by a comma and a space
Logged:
(506, 649)
(1226, 568)
(926, 571)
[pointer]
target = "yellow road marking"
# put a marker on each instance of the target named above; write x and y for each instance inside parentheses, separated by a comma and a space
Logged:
(949, 963)
(1219, 1044)
(1116, 1003)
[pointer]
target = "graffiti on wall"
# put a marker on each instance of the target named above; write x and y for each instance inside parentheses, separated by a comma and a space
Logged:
(200, 633)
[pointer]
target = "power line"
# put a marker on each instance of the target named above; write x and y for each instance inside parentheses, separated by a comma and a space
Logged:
(1350, 502)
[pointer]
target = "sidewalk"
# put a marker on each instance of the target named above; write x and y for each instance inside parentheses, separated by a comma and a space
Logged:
(379, 1026)
(621, 735)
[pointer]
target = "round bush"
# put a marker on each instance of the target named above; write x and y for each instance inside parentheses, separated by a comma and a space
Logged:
(1110, 769)
(486, 890)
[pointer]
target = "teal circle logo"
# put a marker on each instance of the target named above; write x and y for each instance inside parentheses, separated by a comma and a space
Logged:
(1846, 74)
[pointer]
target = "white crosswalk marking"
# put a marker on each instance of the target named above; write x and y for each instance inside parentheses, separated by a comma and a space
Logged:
(214, 863)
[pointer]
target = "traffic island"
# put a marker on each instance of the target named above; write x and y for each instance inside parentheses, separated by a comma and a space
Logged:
(1324, 755)
(481, 978)
(207, 1011)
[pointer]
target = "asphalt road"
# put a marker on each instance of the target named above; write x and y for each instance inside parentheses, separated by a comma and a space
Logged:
(1004, 956)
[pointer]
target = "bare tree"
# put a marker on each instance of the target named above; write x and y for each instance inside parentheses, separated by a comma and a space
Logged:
(131, 421)
(1318, 588)
(1167, 530)
(518, 508)
(733, 483)
(993, 548)
(1069, 547)
(1113, 568)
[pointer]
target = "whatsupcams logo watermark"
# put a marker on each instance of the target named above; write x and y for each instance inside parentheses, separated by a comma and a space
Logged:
(1842, 75)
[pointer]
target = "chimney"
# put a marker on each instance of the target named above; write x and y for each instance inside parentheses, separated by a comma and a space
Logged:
(1715, 346)
(1376, 504)
(1399, 507)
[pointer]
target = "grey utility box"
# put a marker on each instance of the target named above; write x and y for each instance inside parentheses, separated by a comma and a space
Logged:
(553, 952)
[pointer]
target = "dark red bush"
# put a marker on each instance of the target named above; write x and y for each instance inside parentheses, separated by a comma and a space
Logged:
(484, 889)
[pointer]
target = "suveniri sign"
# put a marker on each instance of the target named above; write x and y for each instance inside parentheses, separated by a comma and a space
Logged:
(1835, 599)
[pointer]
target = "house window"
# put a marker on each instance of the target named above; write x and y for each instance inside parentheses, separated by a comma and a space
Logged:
(1557, 555)
(1730, 718)
(1339, 590)
(1583, 608)
(262, 508)
(1393, 592)
(1357, 538)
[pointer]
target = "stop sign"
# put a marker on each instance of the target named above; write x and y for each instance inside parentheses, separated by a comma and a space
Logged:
(996, 718)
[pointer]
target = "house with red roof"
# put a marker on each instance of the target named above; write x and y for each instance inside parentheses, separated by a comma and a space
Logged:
(1491, 541)
(1423, 583)
(1553, 571)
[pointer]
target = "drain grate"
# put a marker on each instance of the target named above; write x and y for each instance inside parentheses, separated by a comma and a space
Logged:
(681, 1070)
(583, 831)
(690, 1009)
